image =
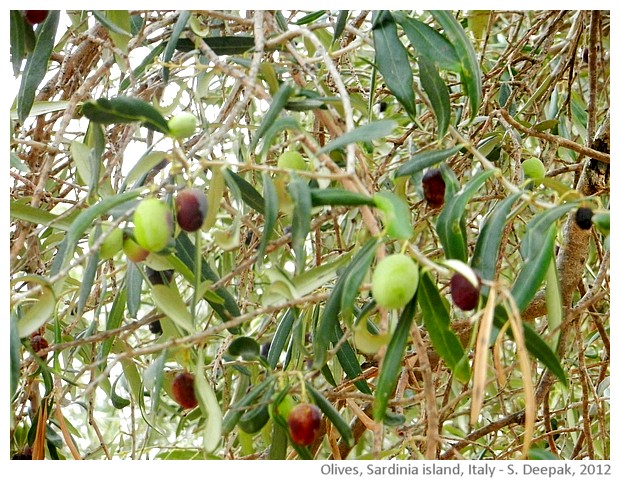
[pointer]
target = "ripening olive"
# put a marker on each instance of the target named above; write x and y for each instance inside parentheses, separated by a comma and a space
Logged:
(191, 209)
(304, 422)
(134, 252)
(183, 390)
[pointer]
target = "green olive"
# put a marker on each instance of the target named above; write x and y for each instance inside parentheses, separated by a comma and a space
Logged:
(111, 245)
(395, 281)
(182, 125)
(292, 160)
(533, 168)
(153, 224)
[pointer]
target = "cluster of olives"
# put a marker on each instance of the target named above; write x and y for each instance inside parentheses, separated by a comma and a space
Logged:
(154, 226)
(303, 420)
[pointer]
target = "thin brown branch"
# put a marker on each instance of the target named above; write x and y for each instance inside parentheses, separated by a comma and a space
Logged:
(556, 139)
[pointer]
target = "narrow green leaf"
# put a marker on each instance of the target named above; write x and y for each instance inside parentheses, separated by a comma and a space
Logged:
(236, 410)
(325, 330)
(429, 43)
(143, 166)
(109, 24)
(304, 105)
(209, 406)
(311, 17)
(138, 72)
(533, 271)
(452, 182)
(356, 272)
(350, 364)
(88, 278)
(280, 338)
(422, 160)
(81, 223)
(186, 252)
(17, 163)
(215, 194)
(437, 92)
(114, 320)
(133, 281)
(437, 323)
(538, 228)
(279, 442)
(365, 133)
(392, 61)
(43, 108)
(95, 139)
(36, 64)
(249, 194)
(535, 345)
(80, 154)
(284, 123)
(270, 197)
(133, 378)
(300, 227)
(179, 26)
(21, 211)
(18, 45)
(226, 45)
(396, 215)
(450, 221)
(168, 300)
(392, 362)
(553, 297)
(38, 314)
(332, 414)
(277, 104)
(341, 23)
(14, 351)
(122, 21)
(339, 196)
(471, 75)
(118, 402)
(124, 109)
(485, 254)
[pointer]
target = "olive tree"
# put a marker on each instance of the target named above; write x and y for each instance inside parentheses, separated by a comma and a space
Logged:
(310, 234)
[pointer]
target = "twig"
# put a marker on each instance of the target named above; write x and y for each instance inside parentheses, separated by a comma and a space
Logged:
(557, 140)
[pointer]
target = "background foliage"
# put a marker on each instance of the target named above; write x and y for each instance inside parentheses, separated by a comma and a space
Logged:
(272, 296)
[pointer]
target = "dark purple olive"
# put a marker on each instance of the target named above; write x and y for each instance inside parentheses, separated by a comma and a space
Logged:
(583, 218)
(155, 327)
(159, 277)
(191, 205)
(434, 187)
(464, 294)
(183, 390)
(35, 16)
